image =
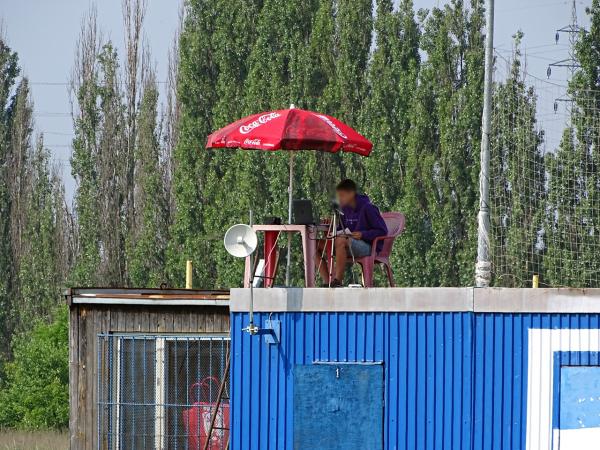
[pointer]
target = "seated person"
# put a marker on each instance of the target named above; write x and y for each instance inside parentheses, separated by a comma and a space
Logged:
(365, 223)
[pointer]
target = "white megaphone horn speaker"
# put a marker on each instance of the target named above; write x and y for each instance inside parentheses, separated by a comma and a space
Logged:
(240, 240)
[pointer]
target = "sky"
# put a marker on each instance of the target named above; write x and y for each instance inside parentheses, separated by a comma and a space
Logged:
(44, 34)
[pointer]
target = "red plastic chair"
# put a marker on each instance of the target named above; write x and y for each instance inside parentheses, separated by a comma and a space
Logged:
(197, 419)
(395, 226)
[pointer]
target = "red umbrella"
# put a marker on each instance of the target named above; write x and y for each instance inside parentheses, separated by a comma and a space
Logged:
(290, 129)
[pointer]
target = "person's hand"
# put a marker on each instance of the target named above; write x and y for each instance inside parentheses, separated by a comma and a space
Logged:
(357, 235)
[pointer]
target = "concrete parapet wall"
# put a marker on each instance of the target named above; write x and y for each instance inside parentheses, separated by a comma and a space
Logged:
(442, 299)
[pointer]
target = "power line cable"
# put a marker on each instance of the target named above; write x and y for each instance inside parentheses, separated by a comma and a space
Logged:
(56, 133)
(61, 83)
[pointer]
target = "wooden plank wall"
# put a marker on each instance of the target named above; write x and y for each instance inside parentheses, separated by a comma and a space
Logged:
(88, 321)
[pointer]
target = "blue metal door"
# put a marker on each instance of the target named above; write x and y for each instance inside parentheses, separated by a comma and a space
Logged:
(579, 408)
(338, 406)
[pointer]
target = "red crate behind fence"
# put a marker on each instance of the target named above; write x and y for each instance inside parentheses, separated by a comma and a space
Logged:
(196, 420)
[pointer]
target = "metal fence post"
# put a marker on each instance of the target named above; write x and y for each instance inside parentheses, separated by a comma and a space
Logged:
(483, 267)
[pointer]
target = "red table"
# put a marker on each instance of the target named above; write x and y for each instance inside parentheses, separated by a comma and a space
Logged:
(309, 245)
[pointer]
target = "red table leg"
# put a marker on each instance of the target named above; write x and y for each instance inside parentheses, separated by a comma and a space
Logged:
(270, 257)
(309, 248)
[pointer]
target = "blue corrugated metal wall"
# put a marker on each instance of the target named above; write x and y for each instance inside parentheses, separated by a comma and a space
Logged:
(452, 380)
(426, 356)
(500, 373)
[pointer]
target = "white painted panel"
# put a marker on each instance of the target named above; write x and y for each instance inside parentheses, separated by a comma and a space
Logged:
(577, 439)
(540, 375)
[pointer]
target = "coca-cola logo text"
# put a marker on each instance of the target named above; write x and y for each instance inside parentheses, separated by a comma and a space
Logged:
(333, 126)
(245, 129)
(252, 142)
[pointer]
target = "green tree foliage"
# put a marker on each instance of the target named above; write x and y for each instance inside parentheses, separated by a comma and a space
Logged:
(319, 55)
(346, 92)
(84, 156)
(34, 233)
(392, 79)
(442, 155)
(44, 262)
(231, 177)
(34, 389)
(574, 175)
(196, 91)
(148, 237)
(99, 164)
(9, 71)
(121, 201)
(517, 185)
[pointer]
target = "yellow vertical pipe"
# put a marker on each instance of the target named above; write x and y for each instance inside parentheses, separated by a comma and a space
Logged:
(535, 283)
(188, 274)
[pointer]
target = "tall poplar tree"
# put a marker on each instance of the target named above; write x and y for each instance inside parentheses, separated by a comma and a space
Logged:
(274, 82)
(86, 125)
(392, 79)
(197, 82)
(33, 239)
(134, 67)
(346, 94)
(42, 268)
(148, 236)
(18, 161)
(98, 163)
(9, 71)
(231, 178)
(112, 171)
(517, 183)
(440, 199)
(573, 216)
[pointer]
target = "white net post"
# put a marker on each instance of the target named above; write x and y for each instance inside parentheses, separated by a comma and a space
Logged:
(483, 267)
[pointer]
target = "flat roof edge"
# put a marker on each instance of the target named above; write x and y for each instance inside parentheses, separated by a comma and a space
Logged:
(440, 299)
(148, 302)
(150, 297)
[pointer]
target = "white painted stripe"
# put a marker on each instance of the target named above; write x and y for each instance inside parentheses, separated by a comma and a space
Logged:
(148, 301)
(543, 343)
(577, 439)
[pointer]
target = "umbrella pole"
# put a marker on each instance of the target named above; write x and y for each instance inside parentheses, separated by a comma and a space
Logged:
(290, 199)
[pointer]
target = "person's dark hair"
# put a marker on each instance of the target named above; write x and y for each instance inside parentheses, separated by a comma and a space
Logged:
(346, 185)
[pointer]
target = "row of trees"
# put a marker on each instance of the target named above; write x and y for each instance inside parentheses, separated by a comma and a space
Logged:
(545, 204)
(121, 159)
(36, 233)
(34, 224)
(150, 197)
(423, 114)
(571, 254)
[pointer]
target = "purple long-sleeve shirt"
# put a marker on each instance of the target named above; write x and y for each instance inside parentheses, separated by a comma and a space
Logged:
(366, 218)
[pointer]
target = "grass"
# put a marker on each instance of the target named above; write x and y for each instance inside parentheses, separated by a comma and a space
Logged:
(33, 440)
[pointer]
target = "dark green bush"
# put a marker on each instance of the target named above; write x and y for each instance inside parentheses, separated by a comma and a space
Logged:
(34, 385)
